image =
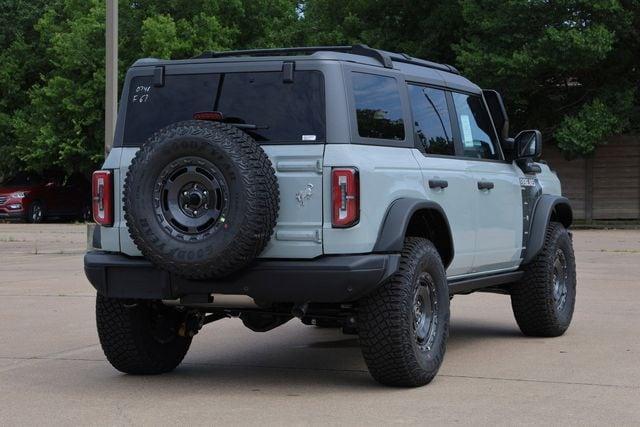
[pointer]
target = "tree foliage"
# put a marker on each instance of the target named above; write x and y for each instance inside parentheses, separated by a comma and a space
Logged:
(564, 66)
(52, 64)
(568, 67)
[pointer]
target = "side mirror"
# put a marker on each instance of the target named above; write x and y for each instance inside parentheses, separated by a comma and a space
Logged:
(528, 144)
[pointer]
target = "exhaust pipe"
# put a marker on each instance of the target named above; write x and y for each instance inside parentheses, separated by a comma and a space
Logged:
(216, 301)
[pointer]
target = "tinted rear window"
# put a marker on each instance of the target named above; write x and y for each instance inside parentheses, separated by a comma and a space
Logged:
(283, 112)
(378, 107)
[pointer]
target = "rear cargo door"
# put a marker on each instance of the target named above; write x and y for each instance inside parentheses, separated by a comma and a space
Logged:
(298, 233)
(281, 105)
(289, 114)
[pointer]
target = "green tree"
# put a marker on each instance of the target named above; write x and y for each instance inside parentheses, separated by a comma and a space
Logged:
(565, 66)
(21, 64)
(426, 29)
(569, 67)
(52, 64)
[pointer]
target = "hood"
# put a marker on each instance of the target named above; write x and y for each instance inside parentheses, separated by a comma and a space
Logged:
(8, 190)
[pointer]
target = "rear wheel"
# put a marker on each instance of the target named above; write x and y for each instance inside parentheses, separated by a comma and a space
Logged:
(543, 301)
(141, 337)
(85, 214)
(404, 325)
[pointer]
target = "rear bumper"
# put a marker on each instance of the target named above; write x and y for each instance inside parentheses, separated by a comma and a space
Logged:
(324, 279)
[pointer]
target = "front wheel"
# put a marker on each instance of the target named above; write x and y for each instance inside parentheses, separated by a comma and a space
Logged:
(404, 325)
(140, 337)
(543, 301)
(36, 213)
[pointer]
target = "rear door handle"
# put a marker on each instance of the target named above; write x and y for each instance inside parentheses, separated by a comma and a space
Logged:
(438, 183)
(485, 185)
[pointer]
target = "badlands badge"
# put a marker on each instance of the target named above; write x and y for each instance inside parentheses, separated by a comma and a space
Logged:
(528, 182)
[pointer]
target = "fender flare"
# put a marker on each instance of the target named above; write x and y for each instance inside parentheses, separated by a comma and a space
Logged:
(396, 222)
(546, 205)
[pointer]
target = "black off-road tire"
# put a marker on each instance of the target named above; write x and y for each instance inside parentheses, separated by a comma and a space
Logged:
(539, 306)
(134, 338)
(249, 199)
(387, 320)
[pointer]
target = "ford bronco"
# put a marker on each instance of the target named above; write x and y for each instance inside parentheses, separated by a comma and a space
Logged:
(344, 186)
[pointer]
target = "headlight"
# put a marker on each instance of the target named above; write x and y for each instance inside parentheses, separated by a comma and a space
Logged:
(19, 195)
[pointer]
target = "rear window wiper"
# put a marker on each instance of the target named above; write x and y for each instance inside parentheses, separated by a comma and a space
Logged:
(217, 116)
(248, 126)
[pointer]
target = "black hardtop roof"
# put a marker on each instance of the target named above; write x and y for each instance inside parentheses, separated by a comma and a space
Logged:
(357, 53)
(384, 57)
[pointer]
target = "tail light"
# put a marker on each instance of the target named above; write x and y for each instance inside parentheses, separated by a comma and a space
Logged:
(345, 195)
(102, 193)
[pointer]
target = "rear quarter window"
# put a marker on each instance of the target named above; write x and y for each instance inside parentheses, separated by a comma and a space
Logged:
(379, 111)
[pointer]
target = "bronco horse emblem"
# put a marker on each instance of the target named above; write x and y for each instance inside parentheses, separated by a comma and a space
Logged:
(305, 194)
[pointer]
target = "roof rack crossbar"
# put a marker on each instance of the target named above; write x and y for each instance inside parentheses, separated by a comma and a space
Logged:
(358, 49)
(384, 58)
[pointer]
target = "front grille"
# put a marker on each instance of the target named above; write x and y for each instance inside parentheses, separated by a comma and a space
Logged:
(3, 200)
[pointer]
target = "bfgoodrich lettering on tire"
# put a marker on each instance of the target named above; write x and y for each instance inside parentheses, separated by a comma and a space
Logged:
(404, 325)
(543, 301)
(201, 199)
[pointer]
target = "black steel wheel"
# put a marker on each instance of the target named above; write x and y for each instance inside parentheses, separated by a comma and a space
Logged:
(425, 312)
(560, 279)
(201, 199)
(191, 198)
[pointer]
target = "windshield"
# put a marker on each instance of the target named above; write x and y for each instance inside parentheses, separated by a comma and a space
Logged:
(280, 112)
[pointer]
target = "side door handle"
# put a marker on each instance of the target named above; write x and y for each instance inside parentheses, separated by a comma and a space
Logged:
(438, 183)
(485, 185)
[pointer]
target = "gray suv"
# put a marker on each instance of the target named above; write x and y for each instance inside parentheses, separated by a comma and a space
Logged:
(346, 186)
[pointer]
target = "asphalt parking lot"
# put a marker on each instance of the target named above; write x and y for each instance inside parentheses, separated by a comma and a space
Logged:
(52, 370)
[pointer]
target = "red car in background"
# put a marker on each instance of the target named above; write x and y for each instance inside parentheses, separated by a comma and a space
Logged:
(33, 197)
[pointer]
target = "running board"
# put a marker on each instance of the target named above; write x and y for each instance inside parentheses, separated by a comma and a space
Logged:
(466, 286)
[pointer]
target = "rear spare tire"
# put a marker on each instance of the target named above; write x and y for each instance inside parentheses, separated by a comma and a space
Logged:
(201, 199)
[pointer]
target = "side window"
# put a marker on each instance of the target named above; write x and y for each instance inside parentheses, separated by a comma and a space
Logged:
(378, 107)
(478, 137)
(431, 120)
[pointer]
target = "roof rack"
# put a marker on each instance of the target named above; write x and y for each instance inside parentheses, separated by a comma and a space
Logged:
(403, 57)
(385, 58)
